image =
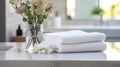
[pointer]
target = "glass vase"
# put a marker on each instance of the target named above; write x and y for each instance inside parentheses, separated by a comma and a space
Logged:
(34, 36)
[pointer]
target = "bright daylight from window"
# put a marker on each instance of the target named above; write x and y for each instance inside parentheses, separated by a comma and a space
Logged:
(111, 9)
(71, 8)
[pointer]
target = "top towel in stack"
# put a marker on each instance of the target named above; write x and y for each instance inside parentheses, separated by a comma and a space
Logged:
(75, 39)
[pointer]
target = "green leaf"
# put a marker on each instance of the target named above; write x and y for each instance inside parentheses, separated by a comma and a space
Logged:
(45, 16)
(97, 10)
(30, 22)
(24, 19)
(40, 21)
(22, 4)
(28, 7)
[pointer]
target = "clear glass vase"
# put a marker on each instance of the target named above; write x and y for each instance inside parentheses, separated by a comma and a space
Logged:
(33, 36)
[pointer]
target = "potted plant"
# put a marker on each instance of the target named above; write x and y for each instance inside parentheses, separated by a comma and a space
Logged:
(99, 12)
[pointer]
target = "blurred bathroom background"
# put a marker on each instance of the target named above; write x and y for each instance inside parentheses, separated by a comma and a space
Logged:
(73, 15)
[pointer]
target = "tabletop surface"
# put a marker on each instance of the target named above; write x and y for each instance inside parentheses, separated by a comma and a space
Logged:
(17, 52)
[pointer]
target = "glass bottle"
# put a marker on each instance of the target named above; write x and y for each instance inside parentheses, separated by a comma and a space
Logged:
(33, 36)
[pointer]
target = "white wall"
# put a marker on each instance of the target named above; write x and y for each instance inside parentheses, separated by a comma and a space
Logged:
(12, 21)
(83, 8)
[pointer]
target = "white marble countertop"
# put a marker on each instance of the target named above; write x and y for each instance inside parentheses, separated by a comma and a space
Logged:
(17, 52)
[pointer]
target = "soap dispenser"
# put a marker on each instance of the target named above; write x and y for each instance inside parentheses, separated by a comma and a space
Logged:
(57, 20)
(19, 31)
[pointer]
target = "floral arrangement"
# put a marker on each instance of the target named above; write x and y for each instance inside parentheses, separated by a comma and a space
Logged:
(34, 12)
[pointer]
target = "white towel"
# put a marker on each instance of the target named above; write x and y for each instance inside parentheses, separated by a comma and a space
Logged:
(83, 47)
(76, 36)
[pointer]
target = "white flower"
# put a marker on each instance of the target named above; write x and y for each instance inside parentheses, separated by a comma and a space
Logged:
(14, 1)
(20, 10)
(38, 2)
(50, 7)
(40, 10)
(33, 10)
(39, 6)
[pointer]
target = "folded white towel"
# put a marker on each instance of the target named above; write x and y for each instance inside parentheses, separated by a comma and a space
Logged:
(76, 36)
(83, 47)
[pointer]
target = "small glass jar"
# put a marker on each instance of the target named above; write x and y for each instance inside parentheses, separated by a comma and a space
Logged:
(33, 36)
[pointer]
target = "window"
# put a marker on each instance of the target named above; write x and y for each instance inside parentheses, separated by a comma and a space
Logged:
(80, 9)
(71, 8)
(111, 9)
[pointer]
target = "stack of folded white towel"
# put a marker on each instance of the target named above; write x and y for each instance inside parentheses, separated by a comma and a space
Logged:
(75, 41)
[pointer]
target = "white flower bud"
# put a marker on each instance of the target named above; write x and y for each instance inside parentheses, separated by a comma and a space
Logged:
(50, 51)
(39, 52)
(43, 51)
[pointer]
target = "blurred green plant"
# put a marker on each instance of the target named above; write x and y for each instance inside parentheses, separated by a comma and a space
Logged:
(97, 10)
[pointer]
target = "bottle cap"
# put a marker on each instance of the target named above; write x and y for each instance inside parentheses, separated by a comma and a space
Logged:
(56, 13)
(19, 27)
